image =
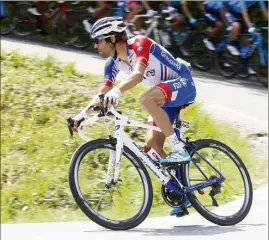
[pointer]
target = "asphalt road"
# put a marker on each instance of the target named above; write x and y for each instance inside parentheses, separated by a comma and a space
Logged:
(241, 103)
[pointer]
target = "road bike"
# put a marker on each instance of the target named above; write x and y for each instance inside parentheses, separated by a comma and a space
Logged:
(66, 28)
(111, 185)
(187, 44)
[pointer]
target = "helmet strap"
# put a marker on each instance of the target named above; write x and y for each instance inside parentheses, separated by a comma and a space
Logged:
(114, 44)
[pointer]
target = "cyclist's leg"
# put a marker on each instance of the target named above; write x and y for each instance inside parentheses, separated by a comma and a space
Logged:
(234, 22)
(156, 139)
(170, 93)
(216, 27)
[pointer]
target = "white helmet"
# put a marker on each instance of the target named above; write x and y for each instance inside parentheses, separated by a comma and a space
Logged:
(108, 26)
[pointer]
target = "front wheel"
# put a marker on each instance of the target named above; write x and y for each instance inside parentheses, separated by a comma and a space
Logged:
(226, 64)
(121, 206)
(237, 185)
(200, 56)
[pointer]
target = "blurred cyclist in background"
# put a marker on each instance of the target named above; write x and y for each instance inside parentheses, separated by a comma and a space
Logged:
(237, 16)
(214, 15)
(96, 11)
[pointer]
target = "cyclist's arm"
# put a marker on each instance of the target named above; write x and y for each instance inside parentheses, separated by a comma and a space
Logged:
(146, 4)
(246, 17)
(222, 12)
(96, 100)
(265, 12)
(141, 48)
(135, 78)
(186, 10)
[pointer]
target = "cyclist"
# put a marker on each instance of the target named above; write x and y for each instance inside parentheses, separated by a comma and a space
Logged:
(135, 8)
(98, 10)
(145, 61)
(38, 11)
(178, 20)
(214, 15)
(237, 15)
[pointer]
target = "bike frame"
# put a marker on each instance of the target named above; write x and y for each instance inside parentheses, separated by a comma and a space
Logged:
(62, 7)
(124, 140)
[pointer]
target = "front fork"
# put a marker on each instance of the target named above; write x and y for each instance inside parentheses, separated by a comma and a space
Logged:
(115, 157)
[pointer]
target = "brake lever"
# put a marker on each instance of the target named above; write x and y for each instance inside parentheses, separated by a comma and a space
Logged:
(103, 109)
(70, 123)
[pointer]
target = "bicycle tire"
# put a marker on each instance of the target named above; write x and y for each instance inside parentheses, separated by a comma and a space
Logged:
(222, 58)
(22, 28)
(88, 211)
(61, 29)
(78, 37)
(7, 22)
(244, 210)
(201, 57)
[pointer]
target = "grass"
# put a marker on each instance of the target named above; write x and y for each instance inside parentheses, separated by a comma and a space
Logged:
(36, 98)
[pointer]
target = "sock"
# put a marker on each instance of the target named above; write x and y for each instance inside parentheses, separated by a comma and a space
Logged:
(174, 142)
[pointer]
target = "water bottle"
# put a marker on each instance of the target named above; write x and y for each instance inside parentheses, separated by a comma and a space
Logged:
(152, 153)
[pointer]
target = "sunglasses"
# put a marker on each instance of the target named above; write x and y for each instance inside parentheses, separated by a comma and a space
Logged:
(98, 40)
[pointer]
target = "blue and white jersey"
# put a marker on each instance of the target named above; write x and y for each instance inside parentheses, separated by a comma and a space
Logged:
(160, 65)
(213, 6)
(237, 6)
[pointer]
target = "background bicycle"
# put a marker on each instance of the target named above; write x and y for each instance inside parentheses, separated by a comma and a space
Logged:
(66, 26)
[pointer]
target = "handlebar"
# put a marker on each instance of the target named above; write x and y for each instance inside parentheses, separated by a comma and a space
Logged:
(110, 112)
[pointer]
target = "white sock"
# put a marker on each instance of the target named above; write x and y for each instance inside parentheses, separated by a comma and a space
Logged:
(174, 142)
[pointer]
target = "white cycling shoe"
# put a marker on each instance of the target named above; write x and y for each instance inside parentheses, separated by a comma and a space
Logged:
(176, 158)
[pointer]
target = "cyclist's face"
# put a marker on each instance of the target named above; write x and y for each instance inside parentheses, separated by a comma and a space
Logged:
(104, 48)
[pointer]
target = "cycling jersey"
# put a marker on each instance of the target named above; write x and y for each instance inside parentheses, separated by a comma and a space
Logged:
(237, 6)
(211, 11)
(175, 4)
(130, 2)
(171, 76)
(213, 6)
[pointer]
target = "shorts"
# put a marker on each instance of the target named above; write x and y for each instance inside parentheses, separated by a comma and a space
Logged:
(211, 17)
(177, 92)
(232, 17)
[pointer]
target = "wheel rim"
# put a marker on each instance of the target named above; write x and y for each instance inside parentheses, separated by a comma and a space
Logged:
(121, 202)
(235, 187)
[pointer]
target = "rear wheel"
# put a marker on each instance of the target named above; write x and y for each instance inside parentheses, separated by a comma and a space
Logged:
(24, 21)
(237, 185)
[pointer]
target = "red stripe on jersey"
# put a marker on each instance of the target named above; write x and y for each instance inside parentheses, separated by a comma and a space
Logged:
(166, 91)
(108, 83)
